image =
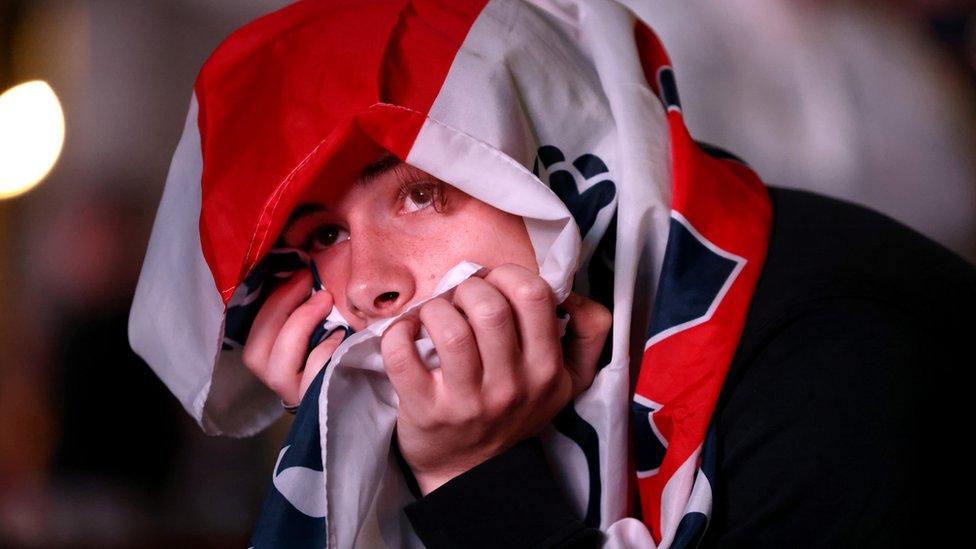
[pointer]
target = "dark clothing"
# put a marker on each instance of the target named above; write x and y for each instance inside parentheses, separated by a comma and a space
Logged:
(839, 421)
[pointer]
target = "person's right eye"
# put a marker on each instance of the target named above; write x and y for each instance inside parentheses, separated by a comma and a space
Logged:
(324, 236)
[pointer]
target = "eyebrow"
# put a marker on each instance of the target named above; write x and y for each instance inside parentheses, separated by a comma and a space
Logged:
(378, 167)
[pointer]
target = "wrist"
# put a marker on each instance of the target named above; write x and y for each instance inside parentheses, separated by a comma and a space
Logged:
(423, 482)
(428, 481)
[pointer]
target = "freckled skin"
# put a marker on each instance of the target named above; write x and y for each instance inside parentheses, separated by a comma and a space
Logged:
(391, 244)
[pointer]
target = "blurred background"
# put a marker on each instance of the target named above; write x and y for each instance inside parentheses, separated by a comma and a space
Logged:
(872, 102)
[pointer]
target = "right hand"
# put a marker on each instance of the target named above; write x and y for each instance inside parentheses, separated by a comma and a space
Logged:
(276, 345)
(504, 372)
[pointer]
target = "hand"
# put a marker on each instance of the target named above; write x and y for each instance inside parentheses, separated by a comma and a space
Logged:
(278, 340)
(504, 373)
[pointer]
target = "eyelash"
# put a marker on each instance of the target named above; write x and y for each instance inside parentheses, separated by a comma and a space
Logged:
(436, 190)
(437, 200)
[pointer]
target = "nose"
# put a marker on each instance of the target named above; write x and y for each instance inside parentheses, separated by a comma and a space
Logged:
(380, 283)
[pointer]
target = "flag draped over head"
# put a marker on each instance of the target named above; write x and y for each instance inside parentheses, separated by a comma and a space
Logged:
(564, 112)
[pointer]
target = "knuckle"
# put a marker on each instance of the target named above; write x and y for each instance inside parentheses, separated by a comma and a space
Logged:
(276, 383)
(397, 360)
(247, 357)
(388, 342)
(533, 289)
(468, 413)
(506, 400)
(466, 287)
(396, 336)
(604, 318)
(456, 339)
(553, 379)
(549, 370)
(553, 387)
(431, 306)
(601, 312)
(426, 419)
(491, 312)
(428, 422)
(506, 267)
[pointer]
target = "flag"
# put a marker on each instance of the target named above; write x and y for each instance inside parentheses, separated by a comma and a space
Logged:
(565, 113)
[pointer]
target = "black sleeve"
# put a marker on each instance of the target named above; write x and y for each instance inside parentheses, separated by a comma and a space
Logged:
(843, 430)
(510, 500)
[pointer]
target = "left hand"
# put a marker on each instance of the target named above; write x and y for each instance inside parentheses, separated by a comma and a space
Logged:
(504, 372)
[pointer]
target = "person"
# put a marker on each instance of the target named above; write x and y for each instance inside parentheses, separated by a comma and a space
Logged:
(382, 247)
(776, 361)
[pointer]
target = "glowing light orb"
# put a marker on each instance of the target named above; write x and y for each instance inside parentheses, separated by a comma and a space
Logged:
(31, 136)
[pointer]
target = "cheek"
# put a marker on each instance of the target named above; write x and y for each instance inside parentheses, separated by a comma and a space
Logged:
(520, 245)
(428, 254)
(334, 275)
(492, 237)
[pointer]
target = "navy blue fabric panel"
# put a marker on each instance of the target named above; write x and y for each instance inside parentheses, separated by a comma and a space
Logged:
(280, 523)
(263, 278)
(669, 88)
(299, 471)
(691, 277)
(648, 448)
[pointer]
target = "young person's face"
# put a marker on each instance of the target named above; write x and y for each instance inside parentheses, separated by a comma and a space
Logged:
(389, 239)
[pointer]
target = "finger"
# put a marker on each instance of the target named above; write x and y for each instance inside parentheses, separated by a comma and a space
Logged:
(586, 333)
(490, 317)
(535, 315)
(287, 359)
(410, 377)
(456, 347)
(319, 357)
(271, 317)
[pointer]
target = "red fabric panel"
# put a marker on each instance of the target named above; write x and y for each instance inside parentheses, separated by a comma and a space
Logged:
(284, 92)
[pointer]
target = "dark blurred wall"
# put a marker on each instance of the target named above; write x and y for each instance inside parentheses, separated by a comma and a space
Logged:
(95, 450)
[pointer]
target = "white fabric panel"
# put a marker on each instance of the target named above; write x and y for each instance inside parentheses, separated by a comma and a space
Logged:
(176, 319)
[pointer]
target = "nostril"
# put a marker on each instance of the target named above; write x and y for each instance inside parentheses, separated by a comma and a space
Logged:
(386, 298)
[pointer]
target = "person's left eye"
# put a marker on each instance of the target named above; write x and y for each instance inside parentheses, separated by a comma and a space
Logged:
(420, 195)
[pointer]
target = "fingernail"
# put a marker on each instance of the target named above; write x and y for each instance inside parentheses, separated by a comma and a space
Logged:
(316, 279)
(319, 292)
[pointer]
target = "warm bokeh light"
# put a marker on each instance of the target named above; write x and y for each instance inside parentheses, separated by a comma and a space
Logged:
(31, 136)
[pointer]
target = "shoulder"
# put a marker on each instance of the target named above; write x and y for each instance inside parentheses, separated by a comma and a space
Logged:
(825, 434)
(844, 385)
(845, 273)
(828, 357)
(824, 427)
(826, 247)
